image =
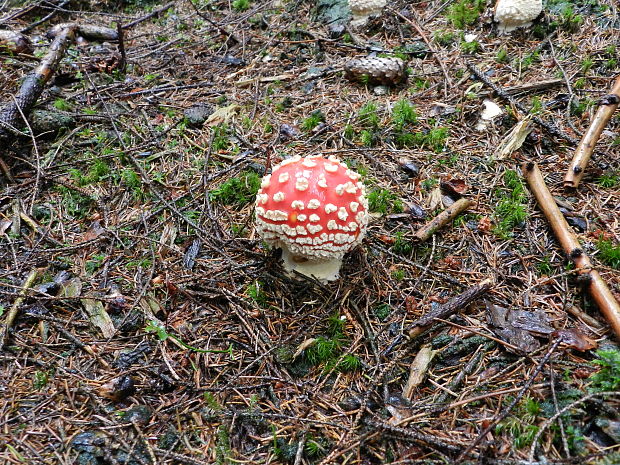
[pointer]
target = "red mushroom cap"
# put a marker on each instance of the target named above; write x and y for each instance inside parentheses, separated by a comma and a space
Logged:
(315, 207)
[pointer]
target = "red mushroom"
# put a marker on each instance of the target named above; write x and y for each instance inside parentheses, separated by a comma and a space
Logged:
(315, 210)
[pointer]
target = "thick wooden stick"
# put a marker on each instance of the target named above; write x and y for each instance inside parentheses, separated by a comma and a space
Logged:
(598, 289)
(441, 220)
(608, 105)
(32, 87)
(450, 307)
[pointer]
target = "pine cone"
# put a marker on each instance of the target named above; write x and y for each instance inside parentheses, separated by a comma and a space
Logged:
(386, 71)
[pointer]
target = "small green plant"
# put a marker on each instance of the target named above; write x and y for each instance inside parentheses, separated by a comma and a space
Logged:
(529, 60)
(62, 105)
(398, 274)
(444, 37)
(401, 245)
(586, 65)
(315, 447)
(94, 263)
(544, 266)
(520, 427)
(384, 201)
(569, 20)
(511, 208)
(349, 132)
(465, 12)
(403, 113)
(502, 56)
(255, 292)
(608, 253)
(537, 106)
(609, 180)
(368, 116)
(133, 181)
(382, 311)
(472, 47)
(221, 140)
(580, 83)
(241, 5)
(367, 138)
(237, 191)
(40, 380)
(223, 452)
(312, 121)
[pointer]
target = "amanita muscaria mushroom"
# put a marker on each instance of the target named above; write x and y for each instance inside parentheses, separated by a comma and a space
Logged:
(511, 14)
(315, 210)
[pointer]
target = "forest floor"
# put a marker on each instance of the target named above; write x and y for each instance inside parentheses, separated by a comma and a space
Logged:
(154, 327)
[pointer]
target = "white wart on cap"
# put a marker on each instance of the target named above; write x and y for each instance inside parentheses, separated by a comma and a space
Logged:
(315, 209)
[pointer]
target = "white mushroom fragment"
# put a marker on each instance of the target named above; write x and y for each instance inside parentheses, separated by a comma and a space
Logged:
(361, 10)
(315, 210)
(511, 14)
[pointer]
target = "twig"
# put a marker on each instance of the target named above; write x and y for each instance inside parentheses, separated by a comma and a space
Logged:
(155, 12)
(122, 66)
(608, 105)
(450, 307)
(10, 317)
(441, 220)
(33, 84)
(598, 289)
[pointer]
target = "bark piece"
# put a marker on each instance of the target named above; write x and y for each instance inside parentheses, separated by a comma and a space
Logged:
(450, 307)
(608, 105)
(607, 303)
(11, 114)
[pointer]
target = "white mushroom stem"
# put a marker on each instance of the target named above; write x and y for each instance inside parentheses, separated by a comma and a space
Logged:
(323, 270)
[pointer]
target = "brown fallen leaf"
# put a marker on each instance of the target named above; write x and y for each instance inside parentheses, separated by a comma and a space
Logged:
(455, 188)
(516, 326)
(575, 339)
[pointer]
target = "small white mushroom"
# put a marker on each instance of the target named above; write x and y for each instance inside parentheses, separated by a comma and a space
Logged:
(362, 10)
(511, 14)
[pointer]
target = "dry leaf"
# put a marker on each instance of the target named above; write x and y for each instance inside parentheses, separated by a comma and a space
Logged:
(417, 371)
(575, 339)
(434, 199)
(99, 317)
(513, 140)
(303, 346)
(223, 115)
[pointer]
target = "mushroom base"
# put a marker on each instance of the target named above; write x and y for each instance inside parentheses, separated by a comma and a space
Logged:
(323, 270)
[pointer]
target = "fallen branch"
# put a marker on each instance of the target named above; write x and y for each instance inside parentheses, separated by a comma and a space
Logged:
(153, 13)
(426, 231)
(32, 87)
(608, 105)
(597, 288)
(450, 307)
(10, 317)
(86, 31)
